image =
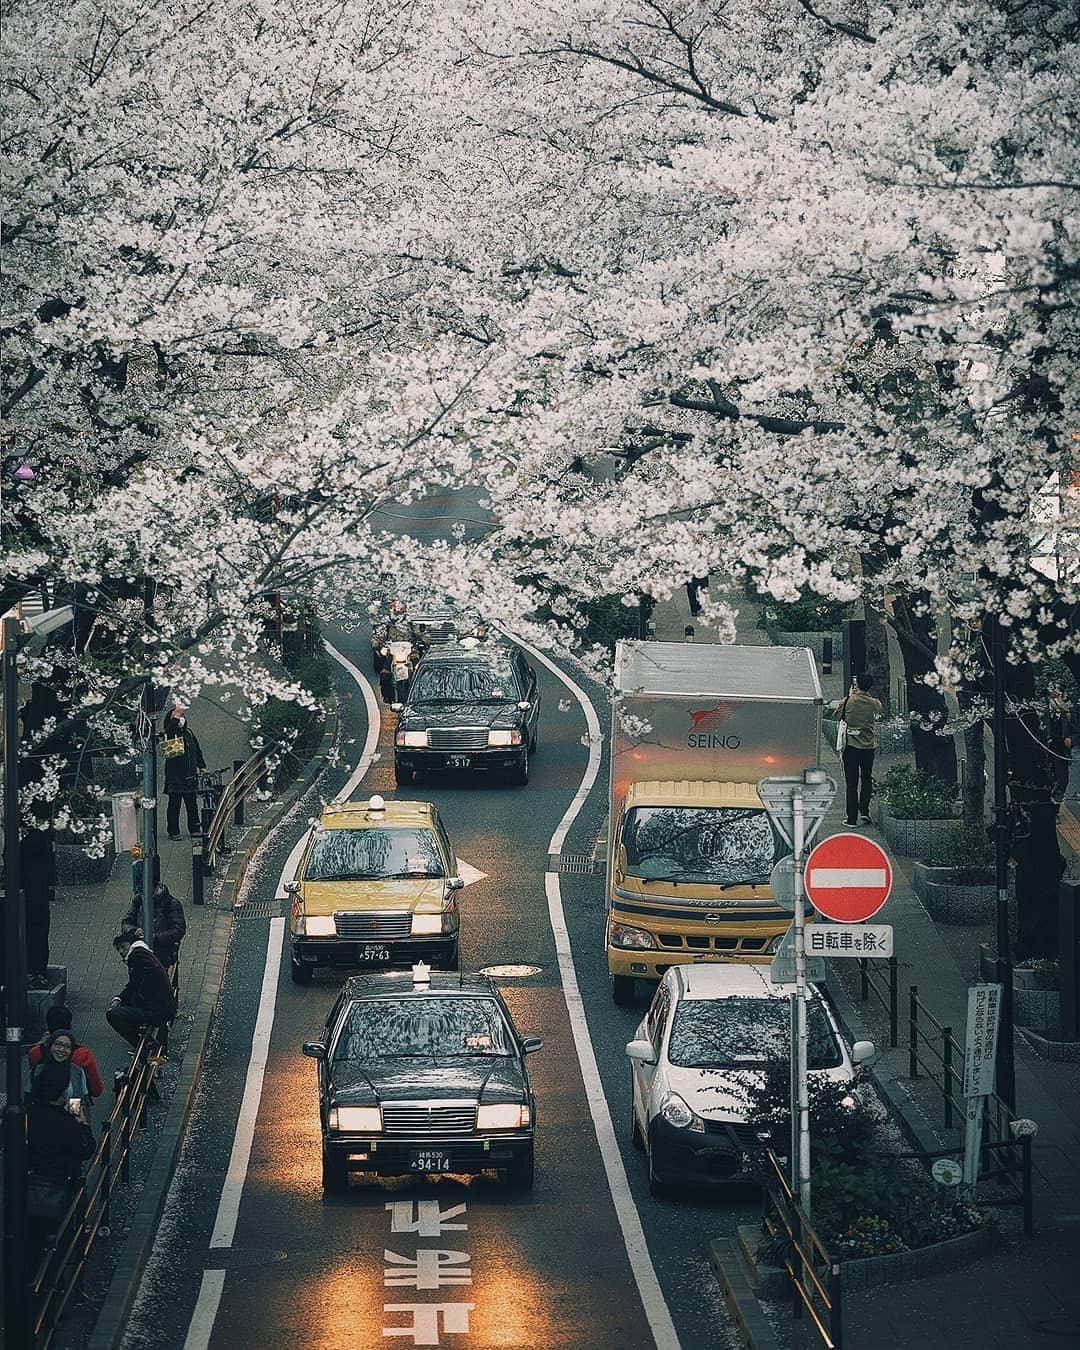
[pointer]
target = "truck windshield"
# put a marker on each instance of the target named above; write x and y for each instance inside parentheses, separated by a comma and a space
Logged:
(714, 846)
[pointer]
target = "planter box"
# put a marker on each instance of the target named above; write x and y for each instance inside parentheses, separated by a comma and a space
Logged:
(74, 868)
(1037, 1009)
(927, 840)
(1026, 978)
(897, 1268)
(1049, 1047)
(815, 641)
(951, 901)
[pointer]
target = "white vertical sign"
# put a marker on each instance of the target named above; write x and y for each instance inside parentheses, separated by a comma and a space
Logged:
(983, 1013)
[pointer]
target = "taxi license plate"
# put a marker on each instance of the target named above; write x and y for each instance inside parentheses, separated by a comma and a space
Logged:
(428, 1160)
(459, 761)
(369, 952)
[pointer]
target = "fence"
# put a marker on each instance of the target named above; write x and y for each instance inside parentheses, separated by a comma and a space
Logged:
(88, 1215)
(815, 1276)
(885, 991)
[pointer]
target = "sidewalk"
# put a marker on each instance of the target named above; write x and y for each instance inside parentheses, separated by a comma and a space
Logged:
(1027, 1293)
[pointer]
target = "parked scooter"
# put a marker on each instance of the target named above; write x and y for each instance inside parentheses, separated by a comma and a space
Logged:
(400, 662)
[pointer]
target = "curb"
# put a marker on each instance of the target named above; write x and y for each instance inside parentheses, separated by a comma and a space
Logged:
(124, 1284)
(752, 1325)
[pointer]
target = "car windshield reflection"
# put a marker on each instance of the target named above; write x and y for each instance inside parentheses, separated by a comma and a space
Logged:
(739, 1033)
(374, 855)
(457, 683)
(425, 1028)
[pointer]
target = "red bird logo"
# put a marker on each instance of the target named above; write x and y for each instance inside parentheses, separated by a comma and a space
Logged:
(706, 717)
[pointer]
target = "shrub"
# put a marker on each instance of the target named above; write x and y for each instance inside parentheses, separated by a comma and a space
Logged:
(809, 614)
(288, 727)
(910, 794)
(970, 854)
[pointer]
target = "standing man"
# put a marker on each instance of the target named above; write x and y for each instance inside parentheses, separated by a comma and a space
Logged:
(183, 760)
(859, 710)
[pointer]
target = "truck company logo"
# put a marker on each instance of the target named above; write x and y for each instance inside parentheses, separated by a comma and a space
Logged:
(703, 734)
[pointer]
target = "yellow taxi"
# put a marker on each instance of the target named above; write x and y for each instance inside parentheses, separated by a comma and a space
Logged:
(376, 886)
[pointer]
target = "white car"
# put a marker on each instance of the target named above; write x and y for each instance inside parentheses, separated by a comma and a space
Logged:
(708, 1033)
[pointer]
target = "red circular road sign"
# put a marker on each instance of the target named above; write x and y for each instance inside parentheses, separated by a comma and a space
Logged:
(848, 877)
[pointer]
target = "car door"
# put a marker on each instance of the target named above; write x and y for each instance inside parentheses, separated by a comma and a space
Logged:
(530, 690)
(643, 1076)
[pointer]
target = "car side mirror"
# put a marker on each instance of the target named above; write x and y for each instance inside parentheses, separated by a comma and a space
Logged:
(861, 1051)
(641, 1051)
(314, 1049)
(531, 1043)
(396, 707)
(292, 888)
(524, 705)
(455, 883)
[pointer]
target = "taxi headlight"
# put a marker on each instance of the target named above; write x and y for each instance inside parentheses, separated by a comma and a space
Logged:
(423, 925)
(676, 1112)
(502, 1116)
(317, 925)
(635, 938)
(412, 739)
(504, 738)
(362, 1119)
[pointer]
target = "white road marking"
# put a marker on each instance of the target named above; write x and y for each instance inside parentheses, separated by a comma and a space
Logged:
(637, 1250)
(468, 873)
(425, 1217)
(288, 872)
(833, 877)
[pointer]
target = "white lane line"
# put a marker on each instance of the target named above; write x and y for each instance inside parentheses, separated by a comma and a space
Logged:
(288, 872)
(213, 1281)
(637, 1250)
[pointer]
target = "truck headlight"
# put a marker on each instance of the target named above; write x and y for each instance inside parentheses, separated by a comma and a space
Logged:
(504, 738)
(502, 1116)
(676, 1112)
(411, 739)
(634, 938)
(316, 925)
(362, 1119)
(425, 925)
(774, 944)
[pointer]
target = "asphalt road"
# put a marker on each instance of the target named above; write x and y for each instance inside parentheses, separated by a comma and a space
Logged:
(558, 1267)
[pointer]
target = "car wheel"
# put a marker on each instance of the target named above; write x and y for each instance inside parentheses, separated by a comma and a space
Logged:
(635, 1133)
(402, 776)
(301, 974)
(623, 990)
(520, 1173)
(520, 774)
(335, 1175)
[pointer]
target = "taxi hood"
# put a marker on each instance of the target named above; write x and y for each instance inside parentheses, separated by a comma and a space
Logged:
(423, 895)
(408, 1079)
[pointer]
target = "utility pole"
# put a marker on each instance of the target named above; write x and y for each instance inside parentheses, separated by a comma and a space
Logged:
(1006, 1074)
(149, 811)
(15, 1226)
(801, 1168)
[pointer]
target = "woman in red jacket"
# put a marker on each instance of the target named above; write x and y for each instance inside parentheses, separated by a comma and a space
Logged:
(56, 1043)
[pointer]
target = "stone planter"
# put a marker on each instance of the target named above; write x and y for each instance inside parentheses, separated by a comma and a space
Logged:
(815, 641)
(951, 901)
(74, 868)
(928, 840)
(1037, 1009)
(1038, 979)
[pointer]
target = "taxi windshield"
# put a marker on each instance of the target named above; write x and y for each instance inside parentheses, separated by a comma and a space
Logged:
(739, 1033)
(459, 682)
(419, 1028)
(713, 846)
(373, 855)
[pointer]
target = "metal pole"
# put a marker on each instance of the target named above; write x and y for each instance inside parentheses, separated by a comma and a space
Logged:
(15, 1225)
(238, 798)
(149, 815)
(799, 839)
(1006, 1075)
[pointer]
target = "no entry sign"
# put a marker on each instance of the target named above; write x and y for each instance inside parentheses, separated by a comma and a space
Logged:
(848, 878)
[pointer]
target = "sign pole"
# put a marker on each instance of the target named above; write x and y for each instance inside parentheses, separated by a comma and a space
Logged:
(803, 1162)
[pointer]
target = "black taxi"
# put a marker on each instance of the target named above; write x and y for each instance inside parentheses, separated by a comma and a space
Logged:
(423, 1072)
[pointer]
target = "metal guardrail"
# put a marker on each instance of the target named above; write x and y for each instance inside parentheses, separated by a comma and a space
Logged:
(946, 1057)
(89, 1213)
(887, 991)
(815, 1277)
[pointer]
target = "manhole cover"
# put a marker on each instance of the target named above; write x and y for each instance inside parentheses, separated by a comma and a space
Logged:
(240, 1258)
(510, 972)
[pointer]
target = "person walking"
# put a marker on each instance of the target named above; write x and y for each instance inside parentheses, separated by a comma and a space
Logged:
(183, 760)
(61, 1047)
(859, 710)
(147, 999)
(169, 923)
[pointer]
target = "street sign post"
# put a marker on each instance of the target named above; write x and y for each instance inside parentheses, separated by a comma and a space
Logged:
(782, 884)
(782, 969)
(849, 939)
(797, 806)
(848, 878)
(980, 1063)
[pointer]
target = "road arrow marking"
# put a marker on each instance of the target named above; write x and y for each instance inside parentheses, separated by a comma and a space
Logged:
(468, 873)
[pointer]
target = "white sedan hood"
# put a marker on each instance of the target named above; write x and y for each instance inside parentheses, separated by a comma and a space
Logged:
(721, 1094)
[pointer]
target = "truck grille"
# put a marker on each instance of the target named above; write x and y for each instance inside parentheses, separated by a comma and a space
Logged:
(373, 927)
(422, 1118)
(458, 738)
(720, 944)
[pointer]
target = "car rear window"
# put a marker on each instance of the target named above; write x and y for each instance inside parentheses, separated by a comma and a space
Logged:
(373, 855)
(422, 1028)
(730, 1033)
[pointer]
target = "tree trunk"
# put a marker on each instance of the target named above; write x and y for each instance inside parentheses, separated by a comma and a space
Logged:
(877, 655)
(913, 624)
(974, 773)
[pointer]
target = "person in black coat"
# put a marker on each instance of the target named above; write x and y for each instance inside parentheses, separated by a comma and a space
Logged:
(182, 772)
(58, 1140)
(169, 923)
(147, 999)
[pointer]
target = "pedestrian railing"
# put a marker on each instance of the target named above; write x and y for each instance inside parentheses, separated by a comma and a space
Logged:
(814, 1275)
(89, 1213)
(885, 990)
(935, 1052)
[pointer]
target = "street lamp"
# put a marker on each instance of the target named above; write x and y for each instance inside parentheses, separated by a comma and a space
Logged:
(16, 633)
